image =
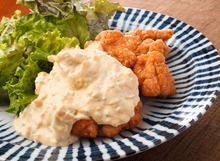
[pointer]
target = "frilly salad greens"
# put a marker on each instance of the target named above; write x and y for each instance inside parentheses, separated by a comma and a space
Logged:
(26, 41)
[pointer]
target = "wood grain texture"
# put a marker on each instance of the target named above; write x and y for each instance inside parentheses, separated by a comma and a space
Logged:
(200, 142)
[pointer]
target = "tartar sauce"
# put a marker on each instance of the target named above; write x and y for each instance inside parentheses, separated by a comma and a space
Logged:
(83, 84)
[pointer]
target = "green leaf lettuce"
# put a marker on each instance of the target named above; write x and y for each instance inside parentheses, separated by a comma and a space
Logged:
(27, 41)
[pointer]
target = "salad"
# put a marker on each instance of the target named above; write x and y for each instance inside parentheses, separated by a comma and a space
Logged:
(27, 41)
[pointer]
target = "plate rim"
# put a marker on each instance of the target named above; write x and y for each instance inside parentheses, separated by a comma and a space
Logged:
(183, 128)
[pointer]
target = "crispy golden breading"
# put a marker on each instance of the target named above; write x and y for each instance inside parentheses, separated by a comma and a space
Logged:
(152, 40)
(132, 42)
(160, 46)
(136, 119)
(153, 75)
(89, 128)
(114, 43)
(124, 47)
(130, 49)
(154, 34)
(144, 47)
(149, 45)
(122, 54)
(110, 131)
(109, 37)
(144, 51)
(85, 128)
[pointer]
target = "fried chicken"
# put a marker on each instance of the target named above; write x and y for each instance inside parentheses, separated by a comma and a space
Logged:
(144, 47)
(144, 51)
(85, 128)
(153, 75)
(89, 128)
(122, 54)
(149, 45)
(113, 42)
(154, 34)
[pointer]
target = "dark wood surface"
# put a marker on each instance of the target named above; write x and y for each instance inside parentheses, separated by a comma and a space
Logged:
(200, 142)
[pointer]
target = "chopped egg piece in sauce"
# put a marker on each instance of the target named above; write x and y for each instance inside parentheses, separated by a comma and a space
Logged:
(83, 84)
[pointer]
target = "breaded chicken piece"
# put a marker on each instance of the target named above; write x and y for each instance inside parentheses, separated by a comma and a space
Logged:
(160, 46)
(131, 49)
(136, 119)
(89, 128)
(149, 45)
(153, 75)
(154, 34)
(122, 54)
(115, 44)
(85, 128)
(110, 131)
(132, 42)
(144, 47)
(109, 37)
(125, 47)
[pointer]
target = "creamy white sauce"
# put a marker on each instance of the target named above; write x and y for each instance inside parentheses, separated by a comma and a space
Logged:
(83, 84)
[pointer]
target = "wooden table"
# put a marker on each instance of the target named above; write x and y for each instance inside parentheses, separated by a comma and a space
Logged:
(201, 142)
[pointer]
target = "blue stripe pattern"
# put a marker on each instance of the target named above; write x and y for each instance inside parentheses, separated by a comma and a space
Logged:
(195, 65)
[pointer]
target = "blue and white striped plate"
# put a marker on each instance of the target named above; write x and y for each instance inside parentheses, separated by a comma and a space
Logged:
(195, 65)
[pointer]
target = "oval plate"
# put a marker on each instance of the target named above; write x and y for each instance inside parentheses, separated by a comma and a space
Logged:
(195, 66)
